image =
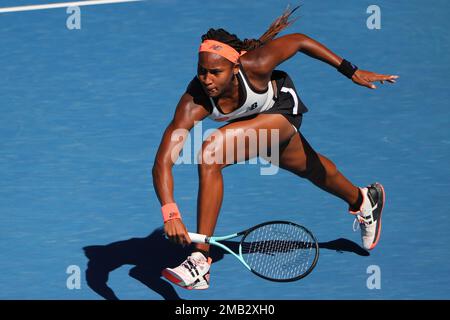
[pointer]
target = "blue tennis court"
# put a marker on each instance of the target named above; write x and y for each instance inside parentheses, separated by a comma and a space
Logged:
(82, 113)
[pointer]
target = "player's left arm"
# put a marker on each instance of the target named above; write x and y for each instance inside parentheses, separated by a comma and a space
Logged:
(281, 49)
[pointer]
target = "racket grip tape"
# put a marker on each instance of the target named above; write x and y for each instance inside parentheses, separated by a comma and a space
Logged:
(198, 238)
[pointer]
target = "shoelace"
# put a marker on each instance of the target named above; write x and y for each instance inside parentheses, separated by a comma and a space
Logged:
(190, 263)
(357, 222)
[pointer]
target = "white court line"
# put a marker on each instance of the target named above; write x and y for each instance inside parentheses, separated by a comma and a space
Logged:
(62, 5)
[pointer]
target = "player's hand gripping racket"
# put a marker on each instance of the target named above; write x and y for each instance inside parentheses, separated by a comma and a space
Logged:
(274, 250)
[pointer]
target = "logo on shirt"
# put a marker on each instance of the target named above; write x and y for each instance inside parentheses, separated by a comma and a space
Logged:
(253, 106)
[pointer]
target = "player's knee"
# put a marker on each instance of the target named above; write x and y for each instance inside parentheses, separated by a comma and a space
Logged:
(211, 157)
(208, 168)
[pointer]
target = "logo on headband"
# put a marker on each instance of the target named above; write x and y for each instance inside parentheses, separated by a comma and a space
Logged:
(216, 47)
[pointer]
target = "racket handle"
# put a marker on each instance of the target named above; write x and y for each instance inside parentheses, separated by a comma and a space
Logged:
(198, 238)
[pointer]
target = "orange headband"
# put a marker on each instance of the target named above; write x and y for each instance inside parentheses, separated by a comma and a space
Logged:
(221, 49)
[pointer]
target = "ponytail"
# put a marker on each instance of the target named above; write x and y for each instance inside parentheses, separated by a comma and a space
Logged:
(281, 23)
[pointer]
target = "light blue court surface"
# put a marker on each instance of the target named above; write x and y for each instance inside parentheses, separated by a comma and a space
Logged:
(81, 117)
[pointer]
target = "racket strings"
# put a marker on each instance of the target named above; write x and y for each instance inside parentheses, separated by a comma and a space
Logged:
(279, 251)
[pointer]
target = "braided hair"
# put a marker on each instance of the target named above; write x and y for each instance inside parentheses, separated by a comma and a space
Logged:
(239, 45)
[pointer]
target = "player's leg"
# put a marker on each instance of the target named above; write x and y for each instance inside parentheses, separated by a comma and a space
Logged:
(367, 203)
(300, 158)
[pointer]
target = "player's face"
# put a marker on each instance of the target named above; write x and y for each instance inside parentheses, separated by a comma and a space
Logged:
(215, 73)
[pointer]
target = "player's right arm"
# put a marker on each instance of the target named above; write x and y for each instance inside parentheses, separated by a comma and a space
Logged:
(189, 111)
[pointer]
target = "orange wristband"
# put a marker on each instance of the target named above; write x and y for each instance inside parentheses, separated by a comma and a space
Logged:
(170, 211)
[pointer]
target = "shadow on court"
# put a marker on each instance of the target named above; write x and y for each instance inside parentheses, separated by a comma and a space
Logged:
(140, 252)
(344, 245)
(149, 255)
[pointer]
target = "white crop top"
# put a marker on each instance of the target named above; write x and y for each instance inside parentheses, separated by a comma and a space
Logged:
(254, 103)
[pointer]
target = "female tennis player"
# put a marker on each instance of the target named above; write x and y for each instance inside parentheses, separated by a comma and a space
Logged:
(237, 82)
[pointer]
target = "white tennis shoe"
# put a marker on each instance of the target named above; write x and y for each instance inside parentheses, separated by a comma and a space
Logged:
(192, 274)
(369, 215)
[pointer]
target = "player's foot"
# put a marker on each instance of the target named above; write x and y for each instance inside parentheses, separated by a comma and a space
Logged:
(192, 274)
(369, 215)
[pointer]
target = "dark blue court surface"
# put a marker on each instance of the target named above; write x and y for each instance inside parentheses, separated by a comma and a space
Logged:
(81, 117)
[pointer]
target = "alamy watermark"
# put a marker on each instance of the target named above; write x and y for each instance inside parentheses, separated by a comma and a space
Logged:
(374, 20)
(74, 279)
(374, 280)
(229, 146)
(73, 22)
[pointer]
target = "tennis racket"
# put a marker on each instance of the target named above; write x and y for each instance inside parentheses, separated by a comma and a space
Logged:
(276, 250)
